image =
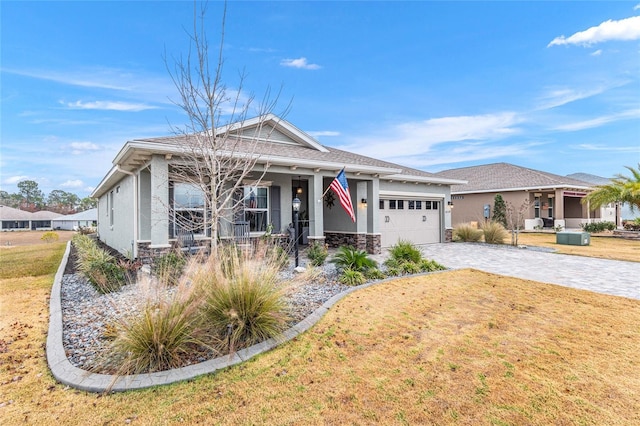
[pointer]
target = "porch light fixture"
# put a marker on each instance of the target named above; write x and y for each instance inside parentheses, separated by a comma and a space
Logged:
(450, 204)
(296, 208)
(299, 188)
(364, 202)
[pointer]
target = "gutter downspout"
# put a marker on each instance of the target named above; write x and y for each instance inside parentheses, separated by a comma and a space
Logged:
(134, 245)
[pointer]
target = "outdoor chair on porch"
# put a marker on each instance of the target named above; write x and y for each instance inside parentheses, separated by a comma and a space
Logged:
(187, 242)
(241, 233)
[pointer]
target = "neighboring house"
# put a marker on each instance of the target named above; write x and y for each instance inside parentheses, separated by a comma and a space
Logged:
(138, 213)
(73, 222)
(20, 220)
(554, 200)
(615, 212)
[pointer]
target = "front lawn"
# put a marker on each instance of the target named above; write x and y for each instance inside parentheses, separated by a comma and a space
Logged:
(602, 246)
(462, 347)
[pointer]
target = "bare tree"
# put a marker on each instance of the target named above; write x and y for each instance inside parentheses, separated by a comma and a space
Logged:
(515, 218)
(214, 156)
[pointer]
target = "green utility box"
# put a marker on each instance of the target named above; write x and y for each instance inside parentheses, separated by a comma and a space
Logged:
(573, 238)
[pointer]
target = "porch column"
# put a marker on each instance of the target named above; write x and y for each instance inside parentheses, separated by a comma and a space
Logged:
(373, 201)
(159, 202)
(316, 218)
(361, 209)
(558, 205)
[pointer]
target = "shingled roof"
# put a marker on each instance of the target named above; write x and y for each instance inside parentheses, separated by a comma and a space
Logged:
(508, 177)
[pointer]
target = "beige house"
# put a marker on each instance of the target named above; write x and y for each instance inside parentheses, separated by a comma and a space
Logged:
(554, 200)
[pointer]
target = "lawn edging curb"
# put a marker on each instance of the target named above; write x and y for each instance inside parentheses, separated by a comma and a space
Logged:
(66, 373)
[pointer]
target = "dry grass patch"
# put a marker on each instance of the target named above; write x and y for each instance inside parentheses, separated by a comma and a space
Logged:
(460, 347)
(8, 240)
(605, 247)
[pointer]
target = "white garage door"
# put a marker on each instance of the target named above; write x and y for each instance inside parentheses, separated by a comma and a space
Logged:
(417, 221)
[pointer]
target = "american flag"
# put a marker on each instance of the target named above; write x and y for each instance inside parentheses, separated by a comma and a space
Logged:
(341, 188)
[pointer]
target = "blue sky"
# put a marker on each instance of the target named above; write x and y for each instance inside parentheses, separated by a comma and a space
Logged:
(554, 86)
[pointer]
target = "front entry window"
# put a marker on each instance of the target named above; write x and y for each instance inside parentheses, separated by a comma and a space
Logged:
(256, 208)
(188, 209)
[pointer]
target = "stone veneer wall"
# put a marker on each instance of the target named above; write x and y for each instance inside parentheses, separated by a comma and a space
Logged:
(448, 235)
(369, 242)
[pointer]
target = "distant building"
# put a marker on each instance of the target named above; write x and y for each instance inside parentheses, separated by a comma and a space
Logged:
(20, 220)
(555, 200)
(624, 211)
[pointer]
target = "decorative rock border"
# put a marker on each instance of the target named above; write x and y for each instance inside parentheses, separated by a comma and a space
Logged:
(66, 373)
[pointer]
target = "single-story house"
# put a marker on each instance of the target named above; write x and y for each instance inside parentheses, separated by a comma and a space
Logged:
(554, 200)
(614, 211)
(139, 206)
(73, 222)
(20, 220)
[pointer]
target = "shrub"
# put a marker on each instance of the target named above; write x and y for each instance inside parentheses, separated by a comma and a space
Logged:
(352, 277)
(374, 274)
(430, 266)
(466, 233)
(350, 258)
(169, 267)
(159, 338)
(598, 226)
(405, 251)
(393, 271)
(410, 268)
(244, 304)
(631, 225)
(317, 253)
(494, 232)
(49, 237)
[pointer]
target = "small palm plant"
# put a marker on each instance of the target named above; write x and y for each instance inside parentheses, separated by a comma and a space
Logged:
(350, 258)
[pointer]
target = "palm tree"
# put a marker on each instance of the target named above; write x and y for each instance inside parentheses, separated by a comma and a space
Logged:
(622, 189)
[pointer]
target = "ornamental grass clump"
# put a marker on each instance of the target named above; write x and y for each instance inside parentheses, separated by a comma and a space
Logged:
(465, 232)
(243, 301)
(494, 232)
(97, 265)
(317, 253)
(169, 267)
(160, 337)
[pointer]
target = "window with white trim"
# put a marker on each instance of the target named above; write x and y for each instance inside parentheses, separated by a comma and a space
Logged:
(188, 209)
(256, 207)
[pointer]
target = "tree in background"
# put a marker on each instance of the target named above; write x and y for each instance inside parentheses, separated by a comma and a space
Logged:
(623, 189)
(214, 159)
(32, 196)
(499, 210)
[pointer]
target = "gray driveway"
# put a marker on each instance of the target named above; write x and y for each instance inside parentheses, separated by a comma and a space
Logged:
(600, 275)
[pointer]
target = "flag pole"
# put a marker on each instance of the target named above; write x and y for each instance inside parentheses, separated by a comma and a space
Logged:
(329, 187)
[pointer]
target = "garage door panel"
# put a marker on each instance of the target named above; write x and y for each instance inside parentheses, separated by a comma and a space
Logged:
(418, 226)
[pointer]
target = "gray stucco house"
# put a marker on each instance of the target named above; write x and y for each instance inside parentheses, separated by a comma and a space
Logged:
(391, 201)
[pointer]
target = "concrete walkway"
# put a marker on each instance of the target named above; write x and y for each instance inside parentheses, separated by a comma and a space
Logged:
(599, 275)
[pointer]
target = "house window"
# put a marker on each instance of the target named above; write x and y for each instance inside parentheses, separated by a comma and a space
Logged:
(550, 207)
(435, 205)
(188, 208)
(427, 205)
(536, 207)
(412, 205)
(256, 207)
(418, 205)
(400, 204)
(110, 208)
(392, 204)
(381, 204)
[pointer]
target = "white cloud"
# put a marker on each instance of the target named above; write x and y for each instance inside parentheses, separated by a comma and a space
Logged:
(596, 53)
(558, 97)
(299, 63)
(78, 148)
(77, 183)
(319, 133)
(108, 105)
(607, 148)
(636, 7)
(624, 29)
(12, 180)
(417, 137)
(599, 121)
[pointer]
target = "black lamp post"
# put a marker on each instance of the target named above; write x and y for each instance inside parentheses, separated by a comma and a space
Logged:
(296, 209)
